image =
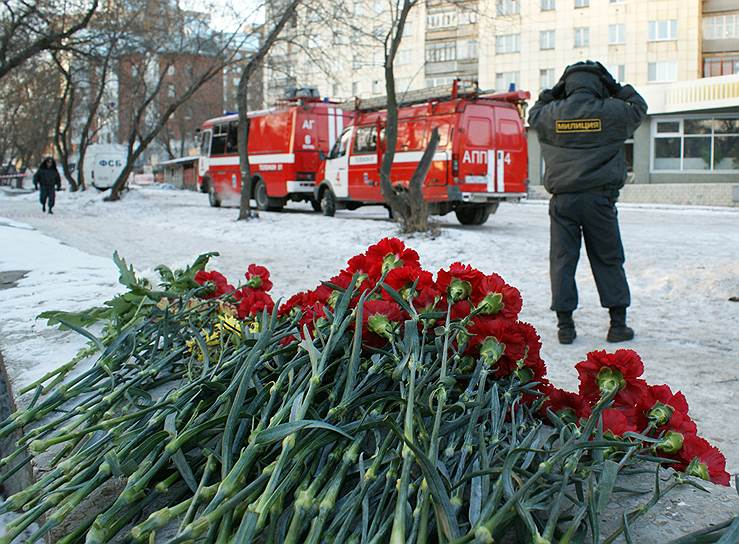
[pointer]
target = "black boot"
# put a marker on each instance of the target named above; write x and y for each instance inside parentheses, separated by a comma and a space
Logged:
(618, 331)
(43, 207)
(51, 211)
(565, 328)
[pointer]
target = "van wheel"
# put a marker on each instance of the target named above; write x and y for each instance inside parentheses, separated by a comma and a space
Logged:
(264, 202)
(328, 203)
(474, 215)
(213, 199)
(315, 204)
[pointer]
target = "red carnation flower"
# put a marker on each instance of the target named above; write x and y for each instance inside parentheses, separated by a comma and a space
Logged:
(380, 320)
(569, 406)
(387, 254)
(602, 372)
(699, 458)
(617, 422)
(428, 299)
(493, 296)
(216, 283)
(503, 345)
(459, 282)
(402, 280)
(257, 277)
(252, 302)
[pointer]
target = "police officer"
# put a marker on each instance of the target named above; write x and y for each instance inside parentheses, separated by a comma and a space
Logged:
(582, 124)
(47, 179)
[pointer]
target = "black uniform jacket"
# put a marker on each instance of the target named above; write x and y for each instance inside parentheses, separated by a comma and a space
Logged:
(582, 137)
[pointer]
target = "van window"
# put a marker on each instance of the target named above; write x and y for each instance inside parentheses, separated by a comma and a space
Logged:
(509, 134)
(443, 129)
(232, 138)
(218, 144)
(341, 145)
(479, 132)
(411, 135)
(205, 143)
(365, 140)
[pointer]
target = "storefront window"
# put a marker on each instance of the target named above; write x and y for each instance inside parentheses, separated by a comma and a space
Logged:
(696, 144)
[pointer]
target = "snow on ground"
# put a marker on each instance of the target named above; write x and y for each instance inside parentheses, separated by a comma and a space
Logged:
(682, 264)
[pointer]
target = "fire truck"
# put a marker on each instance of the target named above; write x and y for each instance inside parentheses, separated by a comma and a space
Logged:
(480, 161)
(286, 146)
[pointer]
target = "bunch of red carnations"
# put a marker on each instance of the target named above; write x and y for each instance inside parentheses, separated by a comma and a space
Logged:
(247, 301)
(639, 410)
(391, 287)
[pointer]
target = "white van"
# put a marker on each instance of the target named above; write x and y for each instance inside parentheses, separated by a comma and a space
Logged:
(103, 164)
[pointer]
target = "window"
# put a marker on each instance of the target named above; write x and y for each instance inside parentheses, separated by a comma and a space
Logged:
(441, 52)
(356, 62)
(696, 144)
(547, 5)
(507, 43)
(467, 49)
(546, 78)
(582, 3)
(134, 70)
(663, 29)
(365, 140)
(467, 17)
(615, 1)
(582, 36)
(621, 72)
(232, 138)
(441, 19)
(341, 145)
(170, 70)
(662, 71)
(171, 90)
(218, 143)
(503, 80)
(616, 33)
(355, 88)
(508, 7)
(720, 66)
(205, 143)
(479, 132)
(546, 39)
(721, 27)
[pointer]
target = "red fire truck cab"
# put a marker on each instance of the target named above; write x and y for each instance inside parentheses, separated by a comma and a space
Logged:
(481, 158)
(286, 146)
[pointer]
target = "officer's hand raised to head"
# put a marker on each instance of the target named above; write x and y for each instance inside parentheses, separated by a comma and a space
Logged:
(612, 86)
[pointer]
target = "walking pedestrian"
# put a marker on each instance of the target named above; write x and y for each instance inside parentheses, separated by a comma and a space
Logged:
(47, 179)
(582, 124)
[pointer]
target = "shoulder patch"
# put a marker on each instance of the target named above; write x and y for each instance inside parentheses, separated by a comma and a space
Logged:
(577, 125)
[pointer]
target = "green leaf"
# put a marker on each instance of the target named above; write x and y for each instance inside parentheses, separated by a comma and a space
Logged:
(278, 432)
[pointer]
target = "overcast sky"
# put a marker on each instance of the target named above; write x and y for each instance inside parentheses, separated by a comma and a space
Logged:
(227, 14)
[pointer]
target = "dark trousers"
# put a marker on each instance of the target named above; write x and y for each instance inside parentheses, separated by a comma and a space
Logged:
(47, 195)
(592, 216)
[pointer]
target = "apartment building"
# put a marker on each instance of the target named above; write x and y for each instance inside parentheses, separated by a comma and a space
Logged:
(683, 55)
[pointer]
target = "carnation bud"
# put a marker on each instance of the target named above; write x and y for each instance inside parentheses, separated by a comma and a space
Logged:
(333, 298)
(390, 261)
(660, 414)
(491, 304)
(380, 325)
(610, 380)
(491, 350)
(567, 415)
(459, 290)
(255, 282)
(698, 469)
(524, 375)
(672, 442)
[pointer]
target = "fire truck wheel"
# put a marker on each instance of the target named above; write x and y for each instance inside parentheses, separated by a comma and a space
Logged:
(315, 204)
(328, 202)
(260, 195)
(473, 215)
(213, 199)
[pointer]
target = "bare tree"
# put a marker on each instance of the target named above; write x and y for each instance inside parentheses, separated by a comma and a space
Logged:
(408, 205)
(151, 94)
(28, 104)
(29, 27)
(268, 40)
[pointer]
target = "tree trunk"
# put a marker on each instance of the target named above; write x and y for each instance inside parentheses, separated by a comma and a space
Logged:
(245, 211)
(418, 218)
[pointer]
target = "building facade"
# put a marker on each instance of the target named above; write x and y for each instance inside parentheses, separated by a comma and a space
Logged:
(683, 55)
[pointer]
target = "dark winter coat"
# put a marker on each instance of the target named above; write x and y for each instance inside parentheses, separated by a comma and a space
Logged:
(582, 135)
(47, 178)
